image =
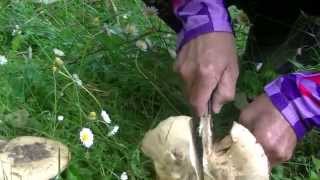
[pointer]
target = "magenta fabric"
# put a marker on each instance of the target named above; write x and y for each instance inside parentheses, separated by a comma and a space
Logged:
(199, 17)
(297, 97)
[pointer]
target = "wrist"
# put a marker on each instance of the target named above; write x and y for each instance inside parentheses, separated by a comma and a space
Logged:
(288, 94)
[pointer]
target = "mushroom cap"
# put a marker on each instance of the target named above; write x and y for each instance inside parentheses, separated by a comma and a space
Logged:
(236, 157)
(30, 158)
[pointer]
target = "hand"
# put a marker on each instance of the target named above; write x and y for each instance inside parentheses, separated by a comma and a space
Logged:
(209, 64)
(270, 128)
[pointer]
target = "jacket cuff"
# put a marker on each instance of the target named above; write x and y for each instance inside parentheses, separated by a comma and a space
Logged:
(285, 95)
(199, 17)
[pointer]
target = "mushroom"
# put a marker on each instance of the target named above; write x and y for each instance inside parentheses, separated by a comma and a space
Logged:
(30, 158)
(236, 157)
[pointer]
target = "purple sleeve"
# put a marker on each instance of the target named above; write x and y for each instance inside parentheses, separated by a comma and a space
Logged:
(297, 97)
(199, 17)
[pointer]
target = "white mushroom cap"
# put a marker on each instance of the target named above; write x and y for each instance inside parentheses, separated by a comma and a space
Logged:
(236, 157)
(33, 158)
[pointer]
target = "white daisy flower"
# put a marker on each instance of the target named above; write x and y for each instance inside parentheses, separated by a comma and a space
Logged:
(259, 66)
(45, 1)
(58, 52)
(77, 79)
(86, 137)
(58, 61)
(114, 130)
(149, 43)
(16, 30)
(105, 116)
(142, 45)
(108, 30)
(172, 53)
(29, 52)
(299, 51)
(130, 29)
(60, 118)
(125, 16)
(168, 35)
(150, 11)
(3, 60)
(124, 176)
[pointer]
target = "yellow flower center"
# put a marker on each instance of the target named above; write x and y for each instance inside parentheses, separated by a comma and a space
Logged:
(85, 137)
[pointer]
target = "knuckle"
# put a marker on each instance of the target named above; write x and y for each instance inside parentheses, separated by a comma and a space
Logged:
(274, 150)
(206, 70)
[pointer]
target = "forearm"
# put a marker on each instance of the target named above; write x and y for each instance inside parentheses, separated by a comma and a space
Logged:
(297, 97)
(199, 17)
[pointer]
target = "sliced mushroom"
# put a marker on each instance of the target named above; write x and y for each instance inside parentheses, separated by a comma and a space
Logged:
(236, 157)
(33, 158)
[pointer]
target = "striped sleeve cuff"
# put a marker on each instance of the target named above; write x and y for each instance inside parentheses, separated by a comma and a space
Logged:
(199, 17)
(297, 97)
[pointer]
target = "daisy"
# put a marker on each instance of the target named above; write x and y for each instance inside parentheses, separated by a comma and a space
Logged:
(77, 79)
(86, 137)
(150, 11)
(60, 118)
(114, 130)
(58, 61)
(105, 116)
(259, 66)
(124, 176)
(172, 53)
(125, 16)
(29, 52)
(58, 52)
(3, 60)
(299, 51)
(149, 43)
(142, 45)
(130, 29)
(16, 30)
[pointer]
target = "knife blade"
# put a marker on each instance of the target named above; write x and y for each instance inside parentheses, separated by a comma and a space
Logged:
(197, 139)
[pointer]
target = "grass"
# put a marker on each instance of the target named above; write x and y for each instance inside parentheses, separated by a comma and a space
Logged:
(137, 88)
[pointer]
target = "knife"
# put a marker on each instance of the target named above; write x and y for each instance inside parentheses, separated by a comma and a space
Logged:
(197, 139)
